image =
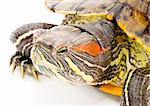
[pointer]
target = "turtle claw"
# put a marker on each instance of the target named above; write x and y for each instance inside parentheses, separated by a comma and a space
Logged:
(15, 61)
(35, 74)
(25, 65)
(23, 72)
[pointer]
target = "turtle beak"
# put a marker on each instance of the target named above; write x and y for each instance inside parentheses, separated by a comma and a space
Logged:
(45, 63)
(43, 60)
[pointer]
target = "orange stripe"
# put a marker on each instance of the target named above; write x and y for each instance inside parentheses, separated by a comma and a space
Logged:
(91, 47)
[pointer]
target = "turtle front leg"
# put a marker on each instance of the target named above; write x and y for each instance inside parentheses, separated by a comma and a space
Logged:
(23, 38)
(136, 90)
(24, 63)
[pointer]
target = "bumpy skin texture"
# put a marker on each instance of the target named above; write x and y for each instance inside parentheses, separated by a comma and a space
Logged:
(138, 80)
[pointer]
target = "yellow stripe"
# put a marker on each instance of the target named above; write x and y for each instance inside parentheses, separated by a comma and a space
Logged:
(79, 14)
(75, 68)
(148, 88)
(126, 86)
(42, 61)
(138, 40)
(23, 36)
(91, 64)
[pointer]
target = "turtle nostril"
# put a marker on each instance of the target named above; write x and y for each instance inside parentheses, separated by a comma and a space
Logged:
(49, 47)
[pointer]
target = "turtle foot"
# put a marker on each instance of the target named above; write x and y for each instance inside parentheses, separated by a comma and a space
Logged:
(25, 65)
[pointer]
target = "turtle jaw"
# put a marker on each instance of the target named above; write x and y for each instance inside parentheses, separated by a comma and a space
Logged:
(44, 62)
(69, 67)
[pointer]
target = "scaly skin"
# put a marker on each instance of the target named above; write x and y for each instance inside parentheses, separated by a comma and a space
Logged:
(92, 53)
(78, 56)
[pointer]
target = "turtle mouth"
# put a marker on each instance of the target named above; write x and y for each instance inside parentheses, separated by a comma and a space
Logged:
(45, 63)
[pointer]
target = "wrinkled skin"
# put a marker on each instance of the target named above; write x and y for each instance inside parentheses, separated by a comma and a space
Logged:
(66, 52)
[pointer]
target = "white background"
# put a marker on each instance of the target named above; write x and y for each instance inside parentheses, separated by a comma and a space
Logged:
(15, 91)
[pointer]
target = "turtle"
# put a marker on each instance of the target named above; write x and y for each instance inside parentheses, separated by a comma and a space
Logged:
(94, 46)
(131, 16)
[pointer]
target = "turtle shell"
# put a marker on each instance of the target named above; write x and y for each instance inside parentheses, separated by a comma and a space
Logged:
(132, 16)
(97, 7)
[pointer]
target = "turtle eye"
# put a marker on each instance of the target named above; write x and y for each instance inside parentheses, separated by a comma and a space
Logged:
(62, 50)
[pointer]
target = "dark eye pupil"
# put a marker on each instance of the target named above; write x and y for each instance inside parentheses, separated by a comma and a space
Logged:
(62, 50)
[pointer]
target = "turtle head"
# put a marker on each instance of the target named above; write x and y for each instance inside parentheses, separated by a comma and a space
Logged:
(69, 54)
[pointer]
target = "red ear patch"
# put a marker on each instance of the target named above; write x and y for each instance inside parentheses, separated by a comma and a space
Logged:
(91, 47)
